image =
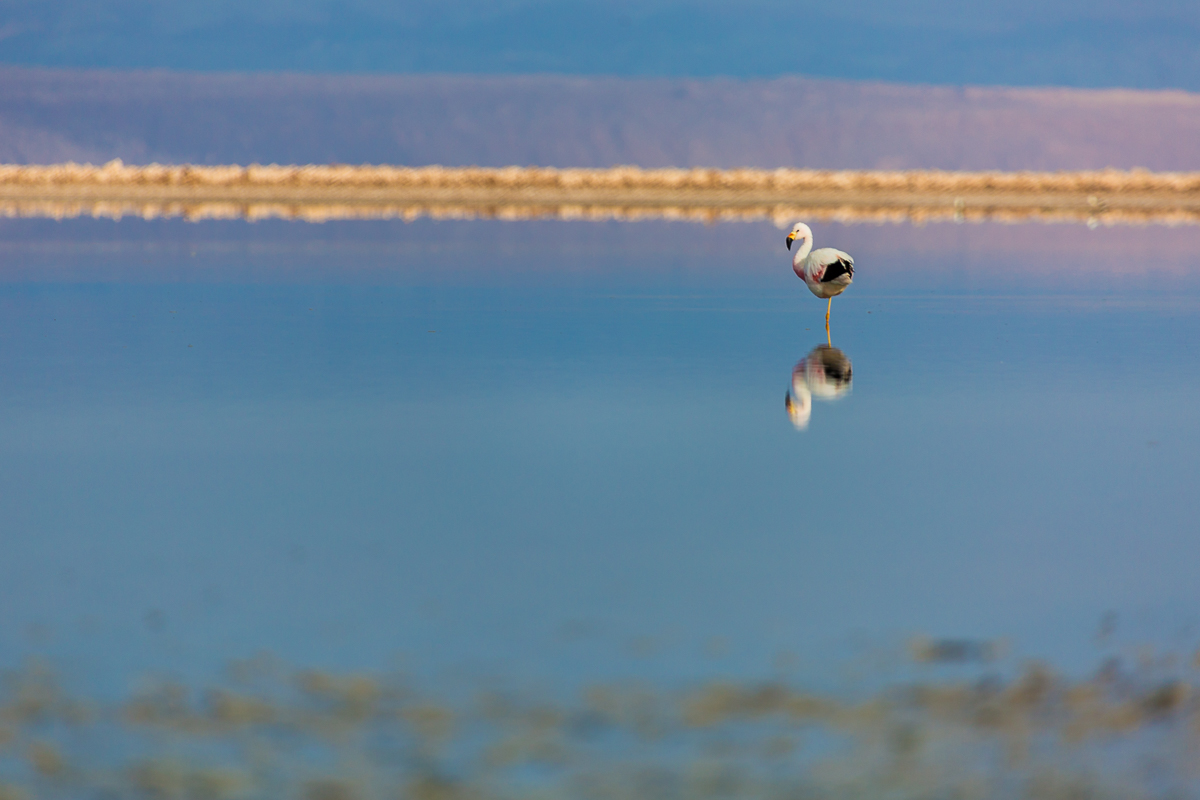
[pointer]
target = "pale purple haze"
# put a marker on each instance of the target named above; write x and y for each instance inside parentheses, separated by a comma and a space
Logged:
(140, 117)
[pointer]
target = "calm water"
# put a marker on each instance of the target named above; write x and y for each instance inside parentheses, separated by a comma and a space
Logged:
(496, 473)
(565, 481)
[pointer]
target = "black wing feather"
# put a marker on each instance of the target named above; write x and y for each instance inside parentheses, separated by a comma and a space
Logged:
(837, 269)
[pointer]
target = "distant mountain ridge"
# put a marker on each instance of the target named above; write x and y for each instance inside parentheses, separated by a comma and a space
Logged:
(172, 117)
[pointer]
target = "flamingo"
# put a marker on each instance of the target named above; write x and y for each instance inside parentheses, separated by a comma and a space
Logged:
(827, 271)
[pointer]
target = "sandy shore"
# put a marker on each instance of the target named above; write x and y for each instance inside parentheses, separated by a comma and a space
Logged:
(317, 193)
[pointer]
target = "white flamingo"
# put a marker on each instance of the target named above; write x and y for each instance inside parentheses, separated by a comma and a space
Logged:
(827, 271)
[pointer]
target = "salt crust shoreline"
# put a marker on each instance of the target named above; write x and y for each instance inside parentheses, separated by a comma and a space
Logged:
(317, 193)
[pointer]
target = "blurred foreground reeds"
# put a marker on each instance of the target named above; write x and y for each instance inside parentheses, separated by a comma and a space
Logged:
(268, 731)
(316, 193)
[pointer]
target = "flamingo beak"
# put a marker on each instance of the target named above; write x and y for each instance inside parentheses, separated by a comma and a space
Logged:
(790, 239)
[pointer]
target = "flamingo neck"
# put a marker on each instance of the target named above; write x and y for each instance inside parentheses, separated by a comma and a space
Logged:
(801, 254)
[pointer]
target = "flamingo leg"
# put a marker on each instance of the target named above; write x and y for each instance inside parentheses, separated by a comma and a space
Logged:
(828, 308)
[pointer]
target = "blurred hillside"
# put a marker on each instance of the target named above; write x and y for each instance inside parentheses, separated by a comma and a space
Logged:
(146, 116)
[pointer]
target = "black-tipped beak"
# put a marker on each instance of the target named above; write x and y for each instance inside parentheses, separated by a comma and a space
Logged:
(791, 237)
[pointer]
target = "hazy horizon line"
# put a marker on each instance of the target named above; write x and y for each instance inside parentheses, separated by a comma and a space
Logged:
(602, 77)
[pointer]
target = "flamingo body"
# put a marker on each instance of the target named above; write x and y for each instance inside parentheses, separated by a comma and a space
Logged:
(827, 271)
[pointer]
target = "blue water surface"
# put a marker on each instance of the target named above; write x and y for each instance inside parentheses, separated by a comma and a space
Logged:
(569, 480)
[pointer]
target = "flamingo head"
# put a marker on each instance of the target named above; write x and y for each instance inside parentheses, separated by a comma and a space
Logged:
(801, 231)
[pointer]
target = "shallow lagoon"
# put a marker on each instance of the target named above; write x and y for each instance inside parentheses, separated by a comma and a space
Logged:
(360, 459)
(338, 471)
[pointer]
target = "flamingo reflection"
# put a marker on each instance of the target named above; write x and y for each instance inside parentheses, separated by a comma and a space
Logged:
(825, 374)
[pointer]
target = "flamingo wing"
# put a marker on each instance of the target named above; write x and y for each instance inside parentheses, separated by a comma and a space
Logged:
(828, 264)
